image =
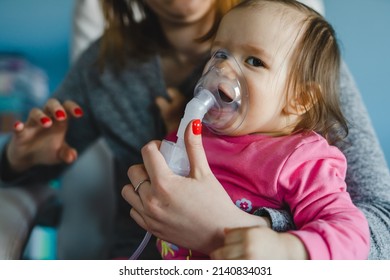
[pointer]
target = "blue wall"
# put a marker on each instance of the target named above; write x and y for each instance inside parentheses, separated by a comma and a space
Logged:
(40, 30)
(363, 28)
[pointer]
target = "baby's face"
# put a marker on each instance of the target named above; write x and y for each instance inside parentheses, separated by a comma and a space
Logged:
(262, 40)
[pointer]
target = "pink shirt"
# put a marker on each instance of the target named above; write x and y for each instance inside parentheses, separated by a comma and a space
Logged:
(300, 172)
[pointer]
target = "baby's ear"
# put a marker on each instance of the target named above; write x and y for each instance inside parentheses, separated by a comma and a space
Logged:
(302, 101)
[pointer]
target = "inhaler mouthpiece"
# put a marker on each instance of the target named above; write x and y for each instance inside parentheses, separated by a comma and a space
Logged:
(220, 101)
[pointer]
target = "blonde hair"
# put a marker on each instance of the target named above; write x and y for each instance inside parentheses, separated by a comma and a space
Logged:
(314, 73)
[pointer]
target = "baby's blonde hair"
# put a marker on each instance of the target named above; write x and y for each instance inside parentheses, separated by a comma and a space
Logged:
(314, 72)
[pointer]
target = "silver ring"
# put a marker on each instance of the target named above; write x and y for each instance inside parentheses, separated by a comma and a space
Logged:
(139, 184)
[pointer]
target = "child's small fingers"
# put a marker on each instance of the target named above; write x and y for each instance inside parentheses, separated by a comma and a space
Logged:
(228, 252)
(162, 103)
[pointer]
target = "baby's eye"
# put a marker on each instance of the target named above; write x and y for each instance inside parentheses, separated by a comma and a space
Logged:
(221, 54)
(254, 61)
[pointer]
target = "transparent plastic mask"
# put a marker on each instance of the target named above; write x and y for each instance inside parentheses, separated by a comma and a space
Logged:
(220, 101)
(224, 79)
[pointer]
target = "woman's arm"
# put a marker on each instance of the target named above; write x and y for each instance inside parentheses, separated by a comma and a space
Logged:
(368, 178)
(191, 211)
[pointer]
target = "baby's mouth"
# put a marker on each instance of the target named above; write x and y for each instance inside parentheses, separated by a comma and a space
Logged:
(224, 95)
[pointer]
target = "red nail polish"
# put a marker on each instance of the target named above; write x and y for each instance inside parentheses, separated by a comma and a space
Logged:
(18, 125)
(45, 120)
(78, 112)
(60, 114)
(197, 127)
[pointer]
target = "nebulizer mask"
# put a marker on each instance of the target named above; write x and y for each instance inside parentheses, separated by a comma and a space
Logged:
(220, 101)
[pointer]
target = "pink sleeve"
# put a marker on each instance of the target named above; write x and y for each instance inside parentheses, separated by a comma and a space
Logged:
(312, 185)
(171, 136)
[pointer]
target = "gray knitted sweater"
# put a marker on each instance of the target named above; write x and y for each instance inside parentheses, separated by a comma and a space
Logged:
(121, 109)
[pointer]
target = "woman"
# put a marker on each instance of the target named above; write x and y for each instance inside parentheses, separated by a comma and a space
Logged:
(111, 92)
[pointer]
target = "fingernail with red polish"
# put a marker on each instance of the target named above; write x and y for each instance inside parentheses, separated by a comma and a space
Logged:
(196, 127)
(78, 112)
(18, 125)
(45, 120)
(60, 114)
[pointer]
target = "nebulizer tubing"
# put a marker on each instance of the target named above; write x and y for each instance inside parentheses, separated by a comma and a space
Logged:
(141, 246)
(220, 99)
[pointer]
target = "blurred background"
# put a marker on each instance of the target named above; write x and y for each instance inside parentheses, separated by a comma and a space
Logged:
(40, 31)
(35, 43)
(363, 29)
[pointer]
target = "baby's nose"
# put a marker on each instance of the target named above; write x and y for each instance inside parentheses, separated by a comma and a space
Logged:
(226, 69)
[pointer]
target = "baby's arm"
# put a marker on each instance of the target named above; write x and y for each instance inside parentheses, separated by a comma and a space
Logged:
(312, 185)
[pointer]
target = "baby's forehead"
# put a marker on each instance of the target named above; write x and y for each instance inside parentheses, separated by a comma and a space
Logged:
(284, 13)
(287, 19)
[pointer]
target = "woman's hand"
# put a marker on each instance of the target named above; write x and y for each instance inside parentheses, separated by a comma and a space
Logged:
(41, 140)
(259, 243)
(188, 211)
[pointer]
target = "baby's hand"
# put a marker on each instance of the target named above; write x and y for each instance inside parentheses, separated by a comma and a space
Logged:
(259, 243)
(172, 111)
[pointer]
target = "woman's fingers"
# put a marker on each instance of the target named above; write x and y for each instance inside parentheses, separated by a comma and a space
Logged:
(155, 164)
(138, 219)
(132, 197)
(38, 117)
(60, 111)
(196, 154)
(73, 109)
(129, 194)
(55, 109)
(18, 126)
(41, 139)
(138, 178)
(137, 174)
(67, 154)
